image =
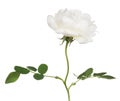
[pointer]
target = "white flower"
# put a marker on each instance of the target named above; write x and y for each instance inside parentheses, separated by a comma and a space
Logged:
(73, 23)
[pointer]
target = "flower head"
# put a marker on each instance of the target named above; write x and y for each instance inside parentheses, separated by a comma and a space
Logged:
(73, 23)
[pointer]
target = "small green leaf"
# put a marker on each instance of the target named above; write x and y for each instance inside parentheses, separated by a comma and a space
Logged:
(21, 70)
(103, 75)
(107, 77)
(88, 72)
(99, 74)
(83, 78)
(38, 76)
(32, 68)
(85, 74)
(42, 68)
(80, 76)
(12, 77)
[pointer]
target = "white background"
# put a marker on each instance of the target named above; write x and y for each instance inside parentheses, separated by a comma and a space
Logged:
(26, 39)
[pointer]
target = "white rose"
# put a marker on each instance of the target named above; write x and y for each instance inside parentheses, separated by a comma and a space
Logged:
(73, 23)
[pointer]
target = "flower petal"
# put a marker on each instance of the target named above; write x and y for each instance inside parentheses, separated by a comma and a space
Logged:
(83, 40)
(51, 22)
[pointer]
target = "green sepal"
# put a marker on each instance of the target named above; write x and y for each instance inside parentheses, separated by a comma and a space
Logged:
(42, 69)
(38, 76)
(67, 38)
(12, 77)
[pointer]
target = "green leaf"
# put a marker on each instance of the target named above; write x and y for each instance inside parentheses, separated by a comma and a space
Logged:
(85, 74)
(99, 74)
(12, 77)
(88, 72)
(103, 75)
(21, 70)
(84, 77)
(38, 76)
(80, 76)
(32, 68)
(42, 68)
(107, 77)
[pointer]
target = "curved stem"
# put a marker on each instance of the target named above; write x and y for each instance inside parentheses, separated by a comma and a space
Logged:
(65, 81)
(55, 77)
(73, 83)
(67, 73)
(66, 55)
(50, 76)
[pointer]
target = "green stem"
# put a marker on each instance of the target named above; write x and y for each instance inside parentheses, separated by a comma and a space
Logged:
(67, 73)
(66, 55)
(67, 89)
(73, 84)
(65, 81)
